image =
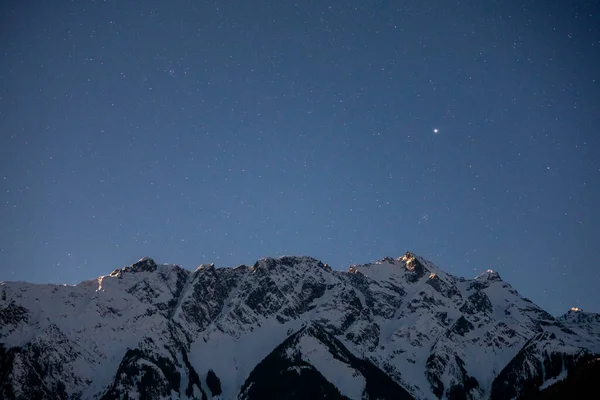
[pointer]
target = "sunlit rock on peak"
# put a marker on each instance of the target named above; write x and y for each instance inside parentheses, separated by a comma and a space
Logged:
(407, 257)
(409, 260)
(353, 269)
(205, 266)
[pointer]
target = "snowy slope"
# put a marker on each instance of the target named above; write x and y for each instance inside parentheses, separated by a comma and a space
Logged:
(157, 330)
(312, 358)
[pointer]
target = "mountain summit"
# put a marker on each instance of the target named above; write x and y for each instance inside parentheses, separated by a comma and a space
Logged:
(289, 327)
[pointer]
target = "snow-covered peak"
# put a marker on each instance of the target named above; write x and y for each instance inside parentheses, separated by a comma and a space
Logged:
(489, 275)
(386, 260)
(577, 315)
(585, 324)
(144, 264)
(407, 269)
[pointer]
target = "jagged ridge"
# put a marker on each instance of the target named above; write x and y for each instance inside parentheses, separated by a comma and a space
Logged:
(157, 330)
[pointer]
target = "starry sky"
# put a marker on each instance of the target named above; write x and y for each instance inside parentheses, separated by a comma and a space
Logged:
(226, 131)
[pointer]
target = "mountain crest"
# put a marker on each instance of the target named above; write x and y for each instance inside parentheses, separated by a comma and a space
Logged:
(577, 315)
(412, 263)
(489, 275)
(293, 262)
(205, 267)
(392, 329)
(144, 264)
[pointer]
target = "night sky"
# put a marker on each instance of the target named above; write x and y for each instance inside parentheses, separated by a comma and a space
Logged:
(225, 131)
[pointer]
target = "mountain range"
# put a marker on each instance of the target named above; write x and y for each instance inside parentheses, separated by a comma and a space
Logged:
(291, 328)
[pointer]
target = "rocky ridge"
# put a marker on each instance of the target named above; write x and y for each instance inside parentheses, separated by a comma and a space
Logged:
(396, 328)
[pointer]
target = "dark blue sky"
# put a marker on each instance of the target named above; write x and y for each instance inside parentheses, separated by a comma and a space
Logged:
(225, 131)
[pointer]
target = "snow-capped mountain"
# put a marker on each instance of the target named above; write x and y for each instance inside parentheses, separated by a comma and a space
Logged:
(288, 328)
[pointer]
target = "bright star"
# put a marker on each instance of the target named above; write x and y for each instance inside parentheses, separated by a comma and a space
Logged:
(435, 130)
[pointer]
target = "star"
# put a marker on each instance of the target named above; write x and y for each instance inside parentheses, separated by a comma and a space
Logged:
(435, 130)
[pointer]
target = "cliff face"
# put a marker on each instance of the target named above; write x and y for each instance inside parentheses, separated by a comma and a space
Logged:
(289, 327)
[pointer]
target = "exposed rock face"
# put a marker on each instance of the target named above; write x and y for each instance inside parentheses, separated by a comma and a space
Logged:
(288, 328)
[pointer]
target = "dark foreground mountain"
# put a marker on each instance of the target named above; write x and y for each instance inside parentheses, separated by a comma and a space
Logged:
(290, 328)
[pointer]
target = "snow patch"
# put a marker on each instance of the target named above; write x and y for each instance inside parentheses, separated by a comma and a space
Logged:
(552, 381)
(349, 381)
